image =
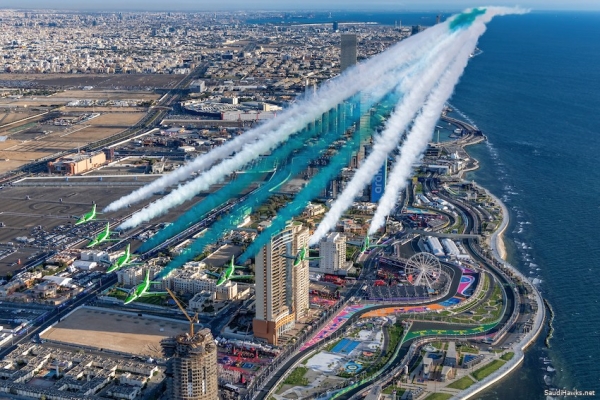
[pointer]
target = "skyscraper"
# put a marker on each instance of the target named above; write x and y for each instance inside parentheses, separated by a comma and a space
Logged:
(281, 276)
(192, 366)
(348, 51)
(332, 250)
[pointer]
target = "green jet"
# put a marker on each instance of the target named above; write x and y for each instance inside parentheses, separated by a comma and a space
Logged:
(228, 273)
(301, 256)
(102, 237)
(122, 261)
(365, 245)
(141, 290)
(87, 217)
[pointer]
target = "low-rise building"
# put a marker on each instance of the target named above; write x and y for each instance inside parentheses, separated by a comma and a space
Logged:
(77, 163)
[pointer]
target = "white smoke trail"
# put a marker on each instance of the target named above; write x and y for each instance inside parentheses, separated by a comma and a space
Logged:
(301, 113)
(423, 126)
(420, 134)
(375, 88)
(421, 85)
(398, 122)
(250, 152)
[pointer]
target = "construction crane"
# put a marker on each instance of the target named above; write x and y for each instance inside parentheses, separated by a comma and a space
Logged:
(193, 320)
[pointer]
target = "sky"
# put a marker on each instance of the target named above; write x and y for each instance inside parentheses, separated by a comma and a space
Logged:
(328, 5)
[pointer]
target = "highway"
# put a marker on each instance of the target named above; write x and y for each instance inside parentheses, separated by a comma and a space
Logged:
(282, 368)
(472, 221)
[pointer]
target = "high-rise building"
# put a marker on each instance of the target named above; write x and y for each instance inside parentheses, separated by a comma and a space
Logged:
(281, 275)
(192, 366)
(336, 26)
(378, 183)
(348, 51)
(332, 250)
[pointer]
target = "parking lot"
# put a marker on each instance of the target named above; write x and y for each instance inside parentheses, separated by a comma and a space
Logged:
(43, 217)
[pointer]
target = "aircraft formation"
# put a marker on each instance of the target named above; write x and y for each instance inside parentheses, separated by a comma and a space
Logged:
(406, 87)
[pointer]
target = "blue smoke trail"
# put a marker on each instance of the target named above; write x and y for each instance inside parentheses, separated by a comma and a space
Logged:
(317, 183)
(338, 119)
(297, 164)
(233, 189)
(199, 211)
(294, 166)
(465, 19)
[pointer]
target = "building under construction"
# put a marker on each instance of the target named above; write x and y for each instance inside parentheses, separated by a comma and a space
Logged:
(192, 366)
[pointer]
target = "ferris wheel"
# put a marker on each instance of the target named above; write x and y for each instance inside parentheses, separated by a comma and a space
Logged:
(423, 269)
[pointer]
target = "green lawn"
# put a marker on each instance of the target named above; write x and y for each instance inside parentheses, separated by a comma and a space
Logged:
(470, 350)
(157, 300)
(462, 383)
(507, 356)
(119, 294)
(488, 369)
(391, 388)
(438, 396)
(296, 378)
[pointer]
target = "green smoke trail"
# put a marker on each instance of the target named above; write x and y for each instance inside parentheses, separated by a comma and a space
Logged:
(464, 20)
(318, 182)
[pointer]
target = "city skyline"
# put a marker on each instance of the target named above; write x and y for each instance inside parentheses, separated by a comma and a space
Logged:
(242, 201)
(271, 5)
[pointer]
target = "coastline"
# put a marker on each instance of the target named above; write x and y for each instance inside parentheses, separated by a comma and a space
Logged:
(498, 251)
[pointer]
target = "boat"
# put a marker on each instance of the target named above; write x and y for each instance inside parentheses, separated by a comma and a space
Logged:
(475, 52)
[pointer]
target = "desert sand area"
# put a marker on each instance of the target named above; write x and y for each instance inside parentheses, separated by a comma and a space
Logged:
(105, 95)
(113, 330)
(104, 81)
(29, 141)
(10, 117)
(116, 118)
(10, 160)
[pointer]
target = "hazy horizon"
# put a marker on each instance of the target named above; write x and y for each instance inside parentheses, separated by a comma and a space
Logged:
(273, 5)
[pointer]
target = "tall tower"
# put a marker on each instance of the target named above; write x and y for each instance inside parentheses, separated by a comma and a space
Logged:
(332, 250)
(282, 280)
(192, 366)
(348, 51)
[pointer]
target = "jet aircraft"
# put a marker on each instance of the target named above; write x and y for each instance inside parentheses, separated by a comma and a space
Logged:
(102, 237)
(301, 256)
(88, 216)
(122, 261)
(141, 290)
